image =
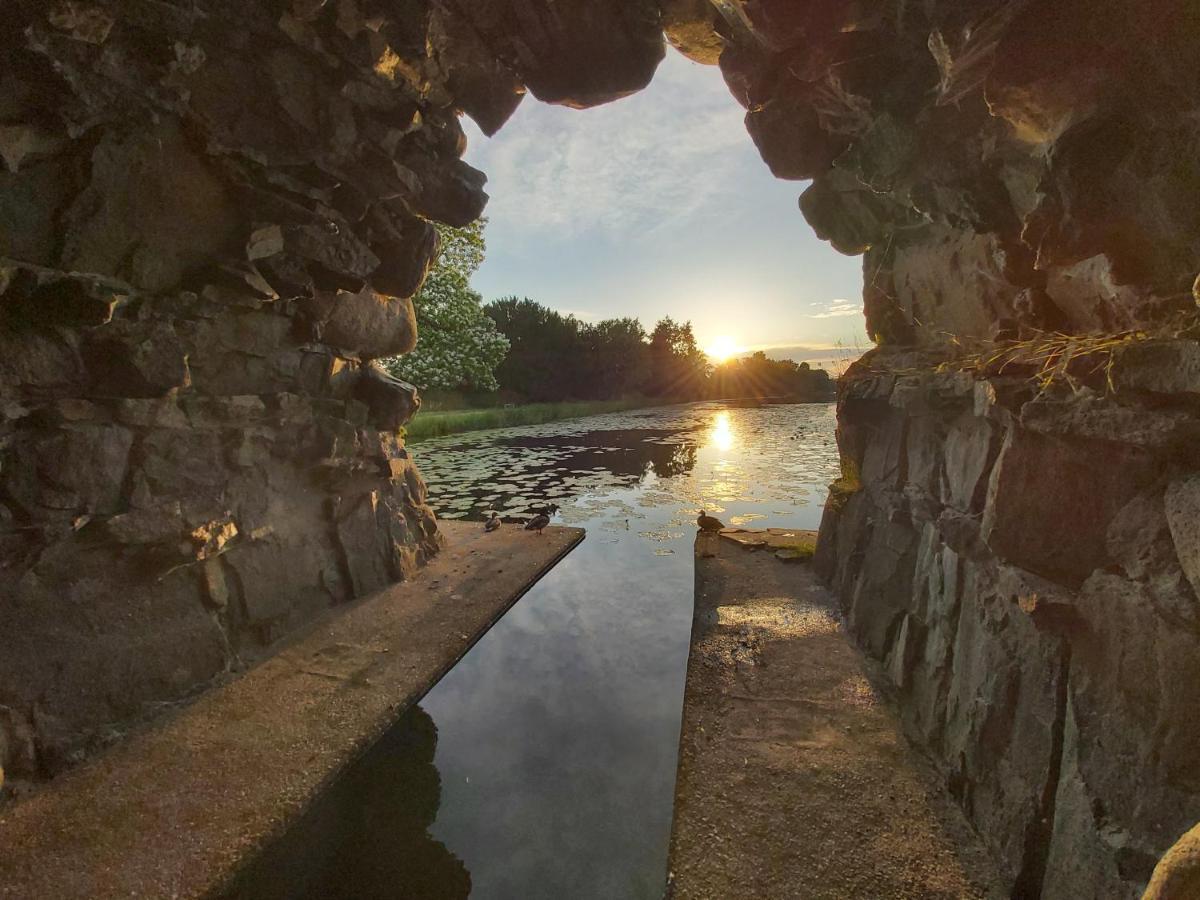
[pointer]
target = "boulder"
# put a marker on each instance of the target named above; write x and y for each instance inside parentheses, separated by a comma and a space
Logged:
(691, 28)
(1051, 500)
(391, 403)
(1182, 504)
(789, 134)
(76, 470)
(1158, 367)
(133, 360)
(485, 88)
(154, 209)
(365, 323)
(573, 52)
(1177, 875)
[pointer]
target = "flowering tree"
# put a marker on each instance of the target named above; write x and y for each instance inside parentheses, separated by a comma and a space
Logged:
(458, 346)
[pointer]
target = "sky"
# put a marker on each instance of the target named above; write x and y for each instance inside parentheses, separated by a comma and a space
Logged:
(657, 205)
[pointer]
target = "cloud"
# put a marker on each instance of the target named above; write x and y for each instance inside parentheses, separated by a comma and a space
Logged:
(620, 169)
(837, 309)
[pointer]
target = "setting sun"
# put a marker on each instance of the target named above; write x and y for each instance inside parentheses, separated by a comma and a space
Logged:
(721, 348)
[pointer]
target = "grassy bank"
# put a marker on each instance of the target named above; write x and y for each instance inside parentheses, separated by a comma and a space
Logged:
(436, 424)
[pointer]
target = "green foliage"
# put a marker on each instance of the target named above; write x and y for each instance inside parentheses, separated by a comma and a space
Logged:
(803, 549)
(758, 376)
(533, 353)
(436, 424)
(461, 250)
(556, 357)
(544, 348)
(553, 357)
(458, 347)
(845, 487)
(678, 366)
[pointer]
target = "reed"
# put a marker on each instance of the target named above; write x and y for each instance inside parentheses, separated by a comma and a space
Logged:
(436, 424)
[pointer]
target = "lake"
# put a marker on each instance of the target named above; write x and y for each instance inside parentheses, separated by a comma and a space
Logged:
(543, 765)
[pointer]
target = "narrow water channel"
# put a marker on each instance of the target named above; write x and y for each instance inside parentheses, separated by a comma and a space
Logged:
(543, 765)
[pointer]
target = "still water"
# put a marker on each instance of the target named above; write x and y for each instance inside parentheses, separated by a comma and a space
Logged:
(543, 765)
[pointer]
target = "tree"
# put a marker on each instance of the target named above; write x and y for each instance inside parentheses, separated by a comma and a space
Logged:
(759, 376)
(458, 346)
(678, 368)
(617, 358)
(545, 350)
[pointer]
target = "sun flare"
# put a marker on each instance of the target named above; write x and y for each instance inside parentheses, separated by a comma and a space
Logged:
(721, 348)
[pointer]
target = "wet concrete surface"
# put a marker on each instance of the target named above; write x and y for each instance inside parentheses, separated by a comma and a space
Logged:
(794, 778)
(179, 809)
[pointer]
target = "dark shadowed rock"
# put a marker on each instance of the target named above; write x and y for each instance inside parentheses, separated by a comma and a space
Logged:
(1160, 367)
(154, 209)
(136, 360)
(1182, 501)
(366, 323)
(578, 53)
(788, 133)
(391, 403)
(1050, 501)
(484, 87)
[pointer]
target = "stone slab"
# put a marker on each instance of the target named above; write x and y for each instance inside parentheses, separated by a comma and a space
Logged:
(177, 809)
(794, 779)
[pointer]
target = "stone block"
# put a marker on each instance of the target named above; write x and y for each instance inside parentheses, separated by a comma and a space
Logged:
(77, 469)
(1051, 500)
(390, 403)
(1134, 687)
(1182, 508)
(365, 324)
(969, 453)
(1002, 711)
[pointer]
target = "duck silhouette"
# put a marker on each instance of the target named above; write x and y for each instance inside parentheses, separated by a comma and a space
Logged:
(537, 523)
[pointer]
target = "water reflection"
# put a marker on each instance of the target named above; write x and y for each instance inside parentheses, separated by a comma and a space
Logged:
(557, 734)
(722, 434)
(367, 838)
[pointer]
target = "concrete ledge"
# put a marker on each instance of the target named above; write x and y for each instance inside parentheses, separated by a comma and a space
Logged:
(176, 810)
(794, 779)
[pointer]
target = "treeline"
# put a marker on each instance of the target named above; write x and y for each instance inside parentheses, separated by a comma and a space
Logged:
(516, 350)
(759, 377)
(552, 357)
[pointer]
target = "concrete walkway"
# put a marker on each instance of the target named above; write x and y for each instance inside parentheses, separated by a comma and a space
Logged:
(177, 810)
(794, 779)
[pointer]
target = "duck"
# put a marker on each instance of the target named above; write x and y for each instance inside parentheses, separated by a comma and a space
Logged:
(537, 523)
(708, 523)
(493, 523)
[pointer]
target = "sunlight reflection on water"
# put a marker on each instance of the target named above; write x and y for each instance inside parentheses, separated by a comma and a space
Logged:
(722, 433)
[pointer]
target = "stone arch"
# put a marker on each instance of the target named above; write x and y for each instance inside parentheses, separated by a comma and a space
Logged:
(212, 214)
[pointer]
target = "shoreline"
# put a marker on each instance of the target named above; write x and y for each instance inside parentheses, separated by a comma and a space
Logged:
(443, 423)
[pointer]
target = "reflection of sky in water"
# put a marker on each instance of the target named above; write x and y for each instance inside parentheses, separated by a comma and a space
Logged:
(558, 733)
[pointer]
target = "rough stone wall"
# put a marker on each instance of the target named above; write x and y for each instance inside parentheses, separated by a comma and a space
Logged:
(1022, 554)
(211, 214)
(212, 218)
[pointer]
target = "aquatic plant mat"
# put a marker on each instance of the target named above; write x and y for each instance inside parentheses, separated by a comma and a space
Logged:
(794, 779)
(179, 809)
